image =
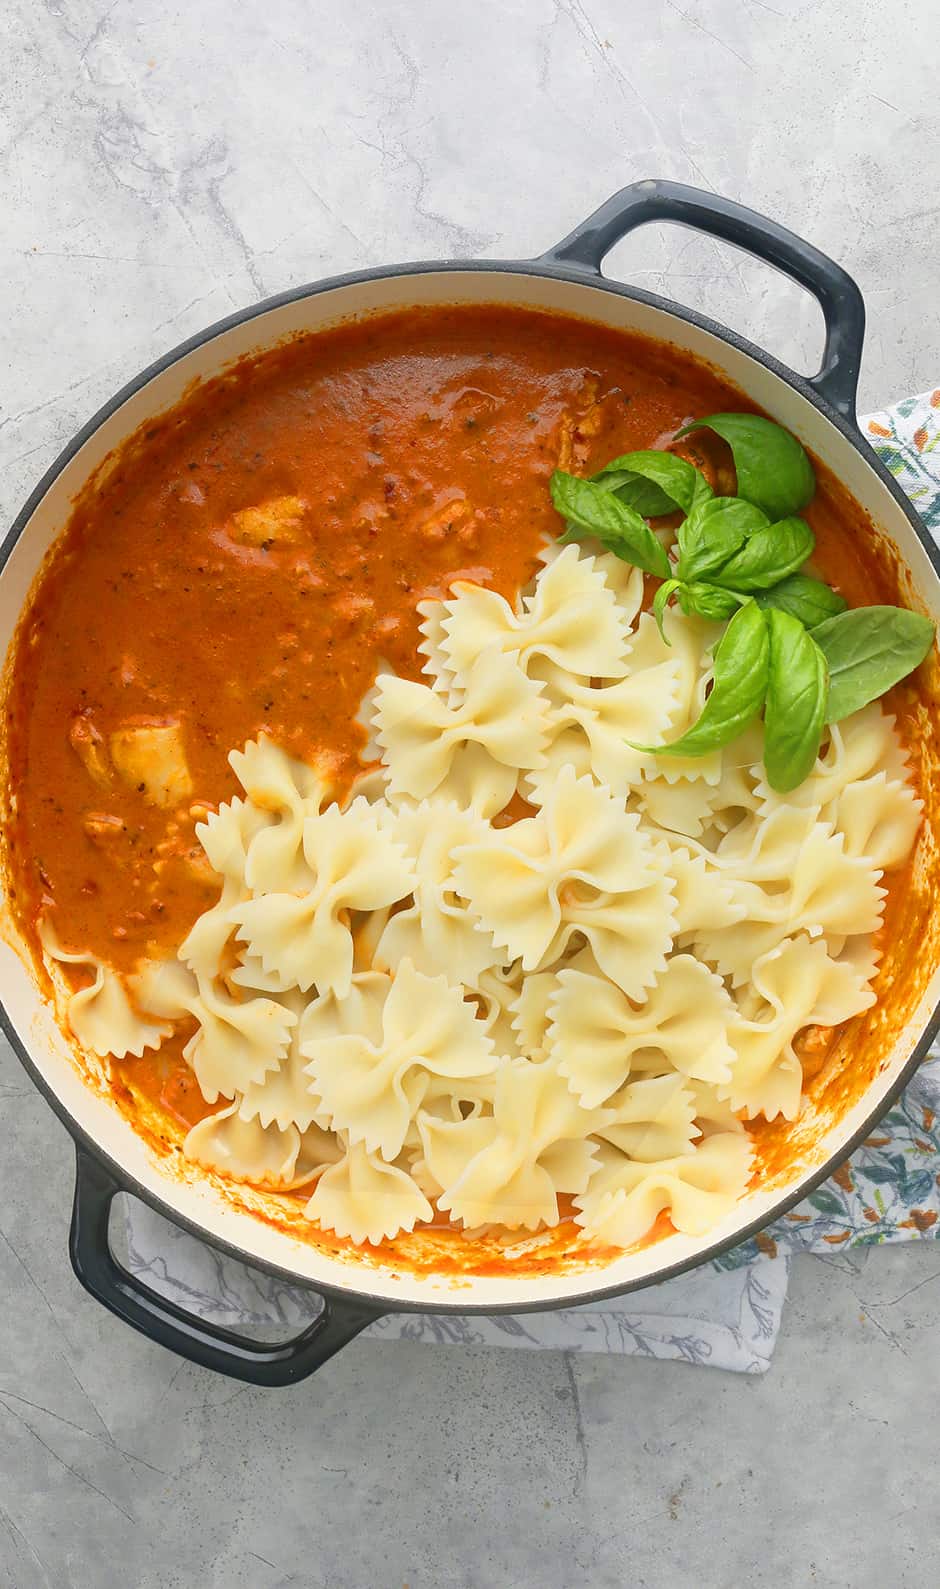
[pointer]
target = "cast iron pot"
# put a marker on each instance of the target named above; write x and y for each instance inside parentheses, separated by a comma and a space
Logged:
(110, 1156)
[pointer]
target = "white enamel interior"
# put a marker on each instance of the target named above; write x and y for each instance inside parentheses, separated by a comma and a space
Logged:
(197, 1200)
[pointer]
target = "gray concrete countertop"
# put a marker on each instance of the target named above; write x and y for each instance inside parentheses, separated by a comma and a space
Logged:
(160, 165)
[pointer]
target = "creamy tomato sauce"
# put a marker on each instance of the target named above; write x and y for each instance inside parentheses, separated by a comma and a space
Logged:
(386, 458)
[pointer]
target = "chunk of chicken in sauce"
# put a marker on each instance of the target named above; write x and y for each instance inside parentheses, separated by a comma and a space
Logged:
(151, 757)
(598, 414)
(144, 759)
(89, 746)
(147, 755)
(280, 519)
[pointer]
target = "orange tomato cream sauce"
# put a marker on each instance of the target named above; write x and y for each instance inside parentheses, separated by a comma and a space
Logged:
(245, 563)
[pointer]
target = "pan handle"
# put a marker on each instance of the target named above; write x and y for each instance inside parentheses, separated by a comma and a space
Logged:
(833, 288)
(163, 1321)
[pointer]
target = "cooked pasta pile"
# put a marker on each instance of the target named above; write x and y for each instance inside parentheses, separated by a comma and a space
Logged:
(523, 959)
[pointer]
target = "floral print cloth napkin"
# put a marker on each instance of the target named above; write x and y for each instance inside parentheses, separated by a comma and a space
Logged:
(726, 1315)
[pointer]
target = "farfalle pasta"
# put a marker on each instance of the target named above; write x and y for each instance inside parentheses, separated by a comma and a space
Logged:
(282, 1097)
(285, 792)
(580, 868)
(595, 1032)
(858, 785)
(522, 970)
(652, 1118)
(436, 932)
(789, 873)
(471, 751)
(509, 1166)
(572, 620)
(238, 1041)
(597, 723)
(353, 863)
(365, 1198)
(796, 985)
(625, 1196)
(372, 1087)
(101, 1015)
(243, 1149)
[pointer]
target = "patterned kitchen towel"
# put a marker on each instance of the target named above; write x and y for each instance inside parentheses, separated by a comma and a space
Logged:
(724, 1316)
(720, 1319)
(889, 1190)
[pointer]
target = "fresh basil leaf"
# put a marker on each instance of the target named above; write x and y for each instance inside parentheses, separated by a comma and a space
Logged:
(773, 470)
(797, 692)
(704, 601)
(804, 598)
(737, 694)
(867, 650)
(654, 482)
(768, 556)
(661, 602)
(643, 496)
(590, 510)
(713, 532)
(703, 492)
(709, 601)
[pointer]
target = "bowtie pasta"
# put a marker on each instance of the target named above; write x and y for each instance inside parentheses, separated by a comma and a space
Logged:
(522, 970)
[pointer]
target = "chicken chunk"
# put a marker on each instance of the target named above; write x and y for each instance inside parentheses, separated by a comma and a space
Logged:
(102, 828)
(441, 523)
(578, 422)
(89, 747)
(152, 758)
(280, 519)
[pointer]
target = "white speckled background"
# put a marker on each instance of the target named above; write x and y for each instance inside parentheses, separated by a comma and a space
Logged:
(161, 164)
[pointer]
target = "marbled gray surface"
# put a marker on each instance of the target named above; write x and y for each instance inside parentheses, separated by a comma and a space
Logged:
(160, 164)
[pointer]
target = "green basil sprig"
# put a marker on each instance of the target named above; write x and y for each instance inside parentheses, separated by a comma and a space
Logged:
(709, 601)
(731, 543)
(713, 533)
(867, 650)
(804, 598)
(590, 510)
(654, 483)
(737, 694)
(698, 598)
(795, 712)
(772, 468)
(768, 556)
(791, 646)
(661, 601)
